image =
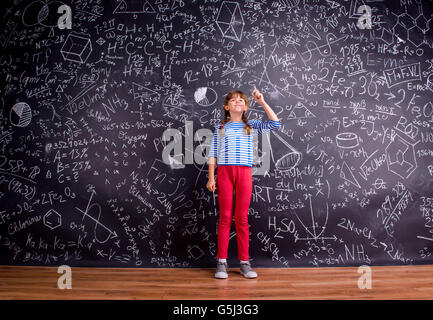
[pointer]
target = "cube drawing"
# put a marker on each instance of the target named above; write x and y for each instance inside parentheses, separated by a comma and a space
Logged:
(76, 49)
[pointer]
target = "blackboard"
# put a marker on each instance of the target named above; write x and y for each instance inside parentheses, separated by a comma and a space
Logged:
(94, 92)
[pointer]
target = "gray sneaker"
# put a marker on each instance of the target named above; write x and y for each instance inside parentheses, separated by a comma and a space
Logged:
(247, 271)
(222, 270)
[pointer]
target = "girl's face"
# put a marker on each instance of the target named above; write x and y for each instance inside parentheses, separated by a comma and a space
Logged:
(236, 104)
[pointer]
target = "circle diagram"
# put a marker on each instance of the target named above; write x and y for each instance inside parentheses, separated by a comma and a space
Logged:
(20, 115)
(205, 96)
(40, 13)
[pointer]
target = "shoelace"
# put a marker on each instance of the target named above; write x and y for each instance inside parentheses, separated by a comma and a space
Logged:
(247, 266)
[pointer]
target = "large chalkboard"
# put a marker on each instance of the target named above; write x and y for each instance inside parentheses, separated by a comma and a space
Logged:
(94, 92)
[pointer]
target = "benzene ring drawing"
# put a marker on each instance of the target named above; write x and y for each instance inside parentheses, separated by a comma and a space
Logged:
(400, 157)
(52, 219)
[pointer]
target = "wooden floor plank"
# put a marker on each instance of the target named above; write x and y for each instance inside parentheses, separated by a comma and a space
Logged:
(388, 282)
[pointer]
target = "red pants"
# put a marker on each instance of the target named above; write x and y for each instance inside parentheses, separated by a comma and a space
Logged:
(239, 179)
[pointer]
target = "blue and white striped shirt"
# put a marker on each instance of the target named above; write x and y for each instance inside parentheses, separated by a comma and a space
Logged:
(235, 147)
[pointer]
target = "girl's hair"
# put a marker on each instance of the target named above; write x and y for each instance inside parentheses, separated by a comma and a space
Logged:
(231, 94)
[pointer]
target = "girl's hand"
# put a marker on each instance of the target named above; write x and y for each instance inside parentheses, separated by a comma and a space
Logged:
(258, 96)
(211, 185)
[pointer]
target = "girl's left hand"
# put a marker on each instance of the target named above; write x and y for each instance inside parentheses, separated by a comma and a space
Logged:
(258, 96)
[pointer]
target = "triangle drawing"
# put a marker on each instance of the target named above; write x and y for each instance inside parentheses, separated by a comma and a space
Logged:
(140, 6)
(140, 91)
(310, 30)
(300, 111)
(347, 175)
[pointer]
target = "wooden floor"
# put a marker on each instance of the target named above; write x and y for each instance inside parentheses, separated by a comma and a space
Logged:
(396, 282)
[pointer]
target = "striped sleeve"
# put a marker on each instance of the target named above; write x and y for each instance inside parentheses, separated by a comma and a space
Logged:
(262, 126)
(213, 151)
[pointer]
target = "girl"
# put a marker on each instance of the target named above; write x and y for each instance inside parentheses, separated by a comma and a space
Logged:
(232, 150)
